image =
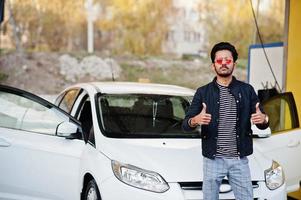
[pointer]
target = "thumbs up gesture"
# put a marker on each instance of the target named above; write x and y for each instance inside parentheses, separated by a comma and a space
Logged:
(203, 118)
(258, 117)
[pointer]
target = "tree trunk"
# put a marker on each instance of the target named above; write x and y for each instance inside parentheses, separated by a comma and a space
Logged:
(12, 22)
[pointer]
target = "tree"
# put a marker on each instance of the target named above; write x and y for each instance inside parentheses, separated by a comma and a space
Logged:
(271, 21)
(233, 21)
(47, 24)
(15, 28)
(138, 26)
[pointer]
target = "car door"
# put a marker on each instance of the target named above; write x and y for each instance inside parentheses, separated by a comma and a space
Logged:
(36, 163)
(284, 143)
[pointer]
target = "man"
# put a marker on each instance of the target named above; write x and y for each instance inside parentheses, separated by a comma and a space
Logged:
(225, 109)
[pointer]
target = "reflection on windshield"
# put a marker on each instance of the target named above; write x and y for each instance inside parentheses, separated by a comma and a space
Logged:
(141, 115)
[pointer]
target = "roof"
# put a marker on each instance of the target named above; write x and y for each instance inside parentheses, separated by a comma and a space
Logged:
(138, 88)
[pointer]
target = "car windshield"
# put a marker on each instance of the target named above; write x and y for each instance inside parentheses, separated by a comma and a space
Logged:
(143, 116)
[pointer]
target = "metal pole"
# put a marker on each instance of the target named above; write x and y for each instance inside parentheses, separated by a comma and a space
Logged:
(90, 36)
(285, 44)
(89, 9)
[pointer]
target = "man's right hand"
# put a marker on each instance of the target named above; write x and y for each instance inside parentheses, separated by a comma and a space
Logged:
(202, 118)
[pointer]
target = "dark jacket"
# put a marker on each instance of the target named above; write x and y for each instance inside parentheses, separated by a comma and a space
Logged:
(246, 100)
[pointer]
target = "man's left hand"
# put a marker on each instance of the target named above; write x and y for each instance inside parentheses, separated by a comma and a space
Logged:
(258, 117)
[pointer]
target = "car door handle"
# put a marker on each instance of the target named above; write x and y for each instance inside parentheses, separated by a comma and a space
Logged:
(4, 143)
(293, 143)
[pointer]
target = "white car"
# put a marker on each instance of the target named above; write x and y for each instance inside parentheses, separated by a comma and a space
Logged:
(110, 141)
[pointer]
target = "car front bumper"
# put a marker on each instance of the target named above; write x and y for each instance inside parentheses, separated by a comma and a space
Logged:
(112, 189)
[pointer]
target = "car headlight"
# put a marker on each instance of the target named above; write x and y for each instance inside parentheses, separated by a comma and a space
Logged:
(139, 178)
(274, 176)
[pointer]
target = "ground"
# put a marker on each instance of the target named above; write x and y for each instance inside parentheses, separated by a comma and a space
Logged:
(35, 72)
(45, 72)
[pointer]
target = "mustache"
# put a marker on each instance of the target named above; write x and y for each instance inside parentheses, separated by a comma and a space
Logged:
(224, 66)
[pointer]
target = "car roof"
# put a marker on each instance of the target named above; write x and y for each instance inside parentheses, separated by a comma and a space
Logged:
(137, 88)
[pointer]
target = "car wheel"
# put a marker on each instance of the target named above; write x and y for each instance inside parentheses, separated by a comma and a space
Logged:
(91, 191)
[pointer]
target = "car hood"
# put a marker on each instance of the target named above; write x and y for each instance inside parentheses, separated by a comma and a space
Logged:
(176, 160)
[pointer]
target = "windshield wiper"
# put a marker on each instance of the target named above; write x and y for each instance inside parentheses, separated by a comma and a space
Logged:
(155, 109)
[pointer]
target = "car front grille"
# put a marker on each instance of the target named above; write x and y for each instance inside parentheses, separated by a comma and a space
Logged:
(190, 188)
(199, 185)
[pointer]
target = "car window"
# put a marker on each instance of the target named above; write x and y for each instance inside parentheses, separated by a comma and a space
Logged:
(18, 112)
(143, 115)
(68, 100)
(85, 117)
(282, 112)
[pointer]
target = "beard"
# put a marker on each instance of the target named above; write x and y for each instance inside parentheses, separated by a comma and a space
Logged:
(224, 71)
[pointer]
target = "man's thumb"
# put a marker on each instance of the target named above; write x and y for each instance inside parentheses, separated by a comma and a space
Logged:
(204, 108)
(257, 107)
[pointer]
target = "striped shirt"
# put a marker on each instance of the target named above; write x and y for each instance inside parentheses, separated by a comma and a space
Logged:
(226, 140)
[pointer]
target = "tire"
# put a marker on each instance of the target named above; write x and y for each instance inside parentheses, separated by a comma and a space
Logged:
(91, 191)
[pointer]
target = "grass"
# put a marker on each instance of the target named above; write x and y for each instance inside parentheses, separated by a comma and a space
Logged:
(170, 75)
(242, 63)
(3, 77)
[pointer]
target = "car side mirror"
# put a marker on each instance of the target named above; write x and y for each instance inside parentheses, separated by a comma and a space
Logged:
(68, 130)
(258, 133)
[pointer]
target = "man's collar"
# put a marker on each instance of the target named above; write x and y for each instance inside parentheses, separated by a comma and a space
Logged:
(233, 81)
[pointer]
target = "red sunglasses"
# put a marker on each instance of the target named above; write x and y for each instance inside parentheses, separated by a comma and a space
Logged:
(220, 61)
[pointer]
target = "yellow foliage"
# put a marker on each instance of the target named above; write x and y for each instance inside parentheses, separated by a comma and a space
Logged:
(53, 23)
(228, 20)
(140, 25)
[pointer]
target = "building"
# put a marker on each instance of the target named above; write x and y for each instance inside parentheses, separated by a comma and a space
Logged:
(186, 35)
